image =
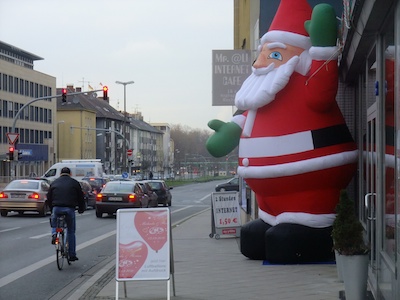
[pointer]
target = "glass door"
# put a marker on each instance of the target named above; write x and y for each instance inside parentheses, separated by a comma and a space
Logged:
(369, 210)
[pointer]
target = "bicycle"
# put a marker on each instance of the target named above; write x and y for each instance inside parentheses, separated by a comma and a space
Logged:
(61, 242)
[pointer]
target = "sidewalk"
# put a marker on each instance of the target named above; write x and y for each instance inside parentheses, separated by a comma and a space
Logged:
(206, 268)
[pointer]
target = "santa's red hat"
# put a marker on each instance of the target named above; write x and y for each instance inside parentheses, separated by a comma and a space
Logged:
(288, 24)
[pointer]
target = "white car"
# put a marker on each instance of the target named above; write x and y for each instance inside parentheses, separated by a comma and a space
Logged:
(22, 195)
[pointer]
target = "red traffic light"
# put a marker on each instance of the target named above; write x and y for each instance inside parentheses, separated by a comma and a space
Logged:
(11, 152)
(105, 93)
(64, 95)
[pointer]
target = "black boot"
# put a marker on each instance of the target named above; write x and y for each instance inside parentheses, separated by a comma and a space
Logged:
(252, 241)
(294, 243)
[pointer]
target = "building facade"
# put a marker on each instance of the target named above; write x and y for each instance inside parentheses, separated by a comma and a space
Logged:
(369, 97)
(35, 124)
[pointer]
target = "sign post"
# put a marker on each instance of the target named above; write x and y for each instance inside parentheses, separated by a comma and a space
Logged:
(225, 214)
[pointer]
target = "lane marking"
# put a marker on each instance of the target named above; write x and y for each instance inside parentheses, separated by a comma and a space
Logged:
(9, 229)
(204, 198)
(29, 269)
(40, 236)
(183, 208)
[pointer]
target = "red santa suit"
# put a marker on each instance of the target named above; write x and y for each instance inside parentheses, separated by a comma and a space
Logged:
(296, 152)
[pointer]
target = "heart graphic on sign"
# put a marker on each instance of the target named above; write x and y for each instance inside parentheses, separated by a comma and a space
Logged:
(152, 227)
(131, 258)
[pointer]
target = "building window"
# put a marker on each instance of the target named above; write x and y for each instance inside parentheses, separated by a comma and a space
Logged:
(31, 113)
(26, 136)
(21, 86)
(5, 104)
(36, 114)
(26, 88)
(22, 114)
(16, 108)
(5, 81)
(31, 89)
(16, 87)
(11, 84)
(10, 109)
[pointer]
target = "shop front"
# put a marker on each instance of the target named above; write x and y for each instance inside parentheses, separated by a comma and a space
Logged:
(373, 46)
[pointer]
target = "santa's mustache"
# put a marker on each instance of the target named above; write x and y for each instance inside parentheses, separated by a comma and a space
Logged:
(263, 84)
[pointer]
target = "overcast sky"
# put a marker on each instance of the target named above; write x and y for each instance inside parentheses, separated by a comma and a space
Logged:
(164, 46)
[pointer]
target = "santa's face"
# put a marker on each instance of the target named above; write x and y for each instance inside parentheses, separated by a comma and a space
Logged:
(276, 53)
(271, 72)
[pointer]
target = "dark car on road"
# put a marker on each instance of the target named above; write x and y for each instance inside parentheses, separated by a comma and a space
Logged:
(120, 194)
(22, 195)
(162, 190)
(230, 185)
(96, 183)
(153, 198)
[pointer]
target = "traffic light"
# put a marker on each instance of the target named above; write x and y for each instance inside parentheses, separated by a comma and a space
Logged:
(105, 93)
(64, 95)
(19, 154)
(11, 150)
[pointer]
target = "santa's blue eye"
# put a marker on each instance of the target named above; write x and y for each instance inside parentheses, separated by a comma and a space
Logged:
(275, 55)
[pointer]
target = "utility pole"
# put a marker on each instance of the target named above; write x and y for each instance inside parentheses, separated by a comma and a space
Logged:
(124, 150)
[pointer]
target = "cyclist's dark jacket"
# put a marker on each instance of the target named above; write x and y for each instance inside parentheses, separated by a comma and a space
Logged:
(66, 192)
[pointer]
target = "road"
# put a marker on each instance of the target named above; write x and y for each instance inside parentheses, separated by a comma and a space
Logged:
(28, 267)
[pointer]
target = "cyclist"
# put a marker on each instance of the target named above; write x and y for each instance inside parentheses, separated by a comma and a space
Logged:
(64, 195)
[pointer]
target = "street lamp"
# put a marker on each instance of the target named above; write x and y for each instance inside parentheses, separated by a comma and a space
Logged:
(124, 148)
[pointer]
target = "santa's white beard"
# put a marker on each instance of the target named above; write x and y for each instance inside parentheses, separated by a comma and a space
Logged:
(263, 84)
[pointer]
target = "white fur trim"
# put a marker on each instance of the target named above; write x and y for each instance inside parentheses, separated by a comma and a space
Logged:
(239, 120)
(324, 53)
(299, 167)
(276, 145)
(306, 219)
(286, 37)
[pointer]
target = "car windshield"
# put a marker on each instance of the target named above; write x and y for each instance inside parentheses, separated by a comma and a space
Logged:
(234, 181)
(155, 185)
(23, 185)
(94, 181)
(118, 187)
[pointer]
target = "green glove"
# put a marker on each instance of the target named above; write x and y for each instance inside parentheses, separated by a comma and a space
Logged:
(225, 138)
(322, 27)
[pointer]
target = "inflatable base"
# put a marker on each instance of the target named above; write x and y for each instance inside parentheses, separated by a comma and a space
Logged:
(286, 243)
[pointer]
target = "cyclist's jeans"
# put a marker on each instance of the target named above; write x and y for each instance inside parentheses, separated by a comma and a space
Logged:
(58, 210)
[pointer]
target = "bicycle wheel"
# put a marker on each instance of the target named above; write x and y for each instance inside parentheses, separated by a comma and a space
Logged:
(60, 250)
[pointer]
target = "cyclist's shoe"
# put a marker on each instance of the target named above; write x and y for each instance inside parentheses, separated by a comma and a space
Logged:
(53, 239)
(73, 258)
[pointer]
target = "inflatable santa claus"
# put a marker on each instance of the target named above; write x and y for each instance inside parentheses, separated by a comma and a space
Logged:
(295, 150)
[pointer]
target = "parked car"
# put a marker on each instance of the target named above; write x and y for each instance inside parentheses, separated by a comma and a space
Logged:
(153, 198)
(162, 190)
(89, 196)
(22, 195)
(120, 194)
(230, 185)
(97, 183)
